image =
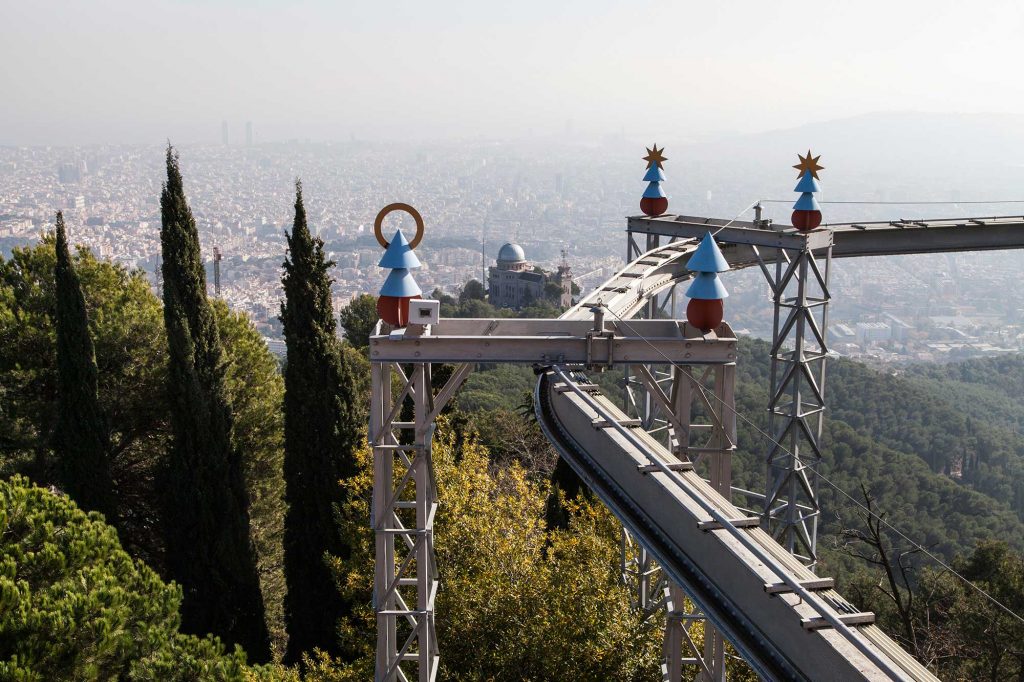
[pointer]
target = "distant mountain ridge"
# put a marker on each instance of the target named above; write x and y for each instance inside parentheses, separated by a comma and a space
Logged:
(981, 156)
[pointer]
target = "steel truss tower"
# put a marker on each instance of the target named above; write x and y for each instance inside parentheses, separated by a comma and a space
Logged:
(796, 267)
(404, 492)
(701, 411)
(404, 504)
(796, 406)
(799, 287)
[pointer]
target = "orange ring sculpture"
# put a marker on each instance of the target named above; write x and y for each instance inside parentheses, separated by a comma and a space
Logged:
(378, 223)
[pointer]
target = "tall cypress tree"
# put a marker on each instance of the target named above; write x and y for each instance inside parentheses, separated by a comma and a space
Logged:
(209, 550)
(321, 430)
(80, 436)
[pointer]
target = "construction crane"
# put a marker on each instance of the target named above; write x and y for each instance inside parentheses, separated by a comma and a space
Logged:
(216, 271)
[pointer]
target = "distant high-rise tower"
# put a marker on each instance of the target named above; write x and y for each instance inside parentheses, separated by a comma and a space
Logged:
(565, 280)
(248, 133)
(68, 173)
(216, 271)
(224, 132)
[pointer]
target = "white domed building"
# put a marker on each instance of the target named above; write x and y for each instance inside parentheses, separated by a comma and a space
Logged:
(514, 283)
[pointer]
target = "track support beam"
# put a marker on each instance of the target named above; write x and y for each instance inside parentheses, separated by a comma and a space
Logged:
(796, 407)
(403, 509)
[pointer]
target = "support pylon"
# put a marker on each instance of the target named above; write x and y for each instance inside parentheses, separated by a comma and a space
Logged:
(664, 398)
(404, 505)
(800, 291)
(703, 431)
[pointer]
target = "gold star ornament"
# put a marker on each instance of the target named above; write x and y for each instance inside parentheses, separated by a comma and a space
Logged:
(808, 164)
(655, 156)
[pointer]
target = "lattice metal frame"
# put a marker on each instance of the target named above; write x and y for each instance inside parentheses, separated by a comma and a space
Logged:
(640, 574)
(404, 505)
(800, 292)
(703, 431)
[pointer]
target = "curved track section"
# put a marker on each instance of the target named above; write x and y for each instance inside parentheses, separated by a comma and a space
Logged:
(786, 622)
(630, 288)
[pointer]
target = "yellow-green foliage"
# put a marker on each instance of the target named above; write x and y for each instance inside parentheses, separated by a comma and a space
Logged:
(517, 601)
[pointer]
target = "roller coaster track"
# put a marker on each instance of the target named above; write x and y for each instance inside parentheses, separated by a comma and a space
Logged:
(785, 621)
(743, 245)
(788, 623)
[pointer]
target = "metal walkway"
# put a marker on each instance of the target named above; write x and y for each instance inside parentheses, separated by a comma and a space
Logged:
(887, 238)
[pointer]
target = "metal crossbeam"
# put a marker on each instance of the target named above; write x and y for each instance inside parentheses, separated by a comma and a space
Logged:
(571, 342)
(886, 238)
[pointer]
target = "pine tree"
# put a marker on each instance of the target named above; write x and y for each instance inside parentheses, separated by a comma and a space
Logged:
(321, 431)
(80, 437)
(209, 550)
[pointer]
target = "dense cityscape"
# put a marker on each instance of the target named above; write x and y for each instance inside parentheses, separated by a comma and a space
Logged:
(546, 195)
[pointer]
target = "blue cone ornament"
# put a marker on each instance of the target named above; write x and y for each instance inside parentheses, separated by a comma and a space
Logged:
(400, 284)
(399, 254)
(708, 257)
(654, 174)
(806, 202)
(706, 309)
(806, 210)
(399, 287)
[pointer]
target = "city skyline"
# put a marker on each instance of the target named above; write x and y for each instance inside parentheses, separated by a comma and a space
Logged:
(548, 196)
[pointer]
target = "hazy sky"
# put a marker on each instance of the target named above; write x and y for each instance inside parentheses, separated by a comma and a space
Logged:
(141, 71)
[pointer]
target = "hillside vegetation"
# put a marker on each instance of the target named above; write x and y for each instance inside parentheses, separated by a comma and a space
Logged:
(902, 439)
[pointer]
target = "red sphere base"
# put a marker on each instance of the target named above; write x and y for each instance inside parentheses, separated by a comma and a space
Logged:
(654, 207)
(705, 314)
(394, 309)
(805, 221)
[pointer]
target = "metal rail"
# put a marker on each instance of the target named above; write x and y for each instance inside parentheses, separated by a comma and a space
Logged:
(629, 289)
(886, 238)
